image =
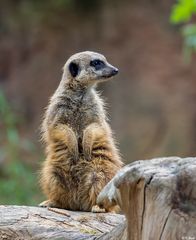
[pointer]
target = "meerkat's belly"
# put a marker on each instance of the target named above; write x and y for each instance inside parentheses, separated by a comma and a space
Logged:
(87, 179)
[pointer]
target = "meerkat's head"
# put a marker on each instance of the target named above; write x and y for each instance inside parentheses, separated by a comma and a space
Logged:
(88, 68)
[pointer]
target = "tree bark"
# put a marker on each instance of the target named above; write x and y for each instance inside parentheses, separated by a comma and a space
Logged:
(158, 198)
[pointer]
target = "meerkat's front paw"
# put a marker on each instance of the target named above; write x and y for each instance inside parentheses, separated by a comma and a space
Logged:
(47, 203)
(87, 144)
(87, 150)
(72, 145)
(87, 154)
(97, 209)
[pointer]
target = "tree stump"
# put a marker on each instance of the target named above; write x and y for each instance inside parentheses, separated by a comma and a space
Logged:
(158, 198)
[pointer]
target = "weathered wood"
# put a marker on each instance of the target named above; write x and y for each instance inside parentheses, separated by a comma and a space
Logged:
(158, 197)
(21, 222)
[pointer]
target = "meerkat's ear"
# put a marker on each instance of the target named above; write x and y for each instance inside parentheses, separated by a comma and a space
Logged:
(74, 69)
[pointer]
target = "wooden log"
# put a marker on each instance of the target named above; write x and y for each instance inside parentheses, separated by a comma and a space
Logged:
(24, 223)
(158, 198)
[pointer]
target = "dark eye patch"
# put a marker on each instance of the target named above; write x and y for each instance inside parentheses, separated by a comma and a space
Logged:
(74, 69)
(97, 64)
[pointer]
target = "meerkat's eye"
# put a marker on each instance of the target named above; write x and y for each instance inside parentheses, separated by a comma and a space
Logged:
(97, 64)
(74, 69)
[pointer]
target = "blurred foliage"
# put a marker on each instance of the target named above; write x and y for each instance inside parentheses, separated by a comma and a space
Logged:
(30, 12)
(18, 181)
(182, 13)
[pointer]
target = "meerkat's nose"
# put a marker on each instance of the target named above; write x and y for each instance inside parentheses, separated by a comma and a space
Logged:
(114, 71)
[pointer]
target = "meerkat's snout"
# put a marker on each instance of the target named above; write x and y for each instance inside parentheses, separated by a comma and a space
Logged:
(103, 69)
(110, 72)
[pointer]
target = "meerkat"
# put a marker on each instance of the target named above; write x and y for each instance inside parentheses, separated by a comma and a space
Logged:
(81, 153)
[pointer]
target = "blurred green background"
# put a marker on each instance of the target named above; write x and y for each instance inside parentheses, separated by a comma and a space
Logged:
(151, 103)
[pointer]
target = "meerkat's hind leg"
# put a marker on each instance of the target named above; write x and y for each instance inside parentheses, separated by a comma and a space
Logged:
(47, 203)
(97, 209)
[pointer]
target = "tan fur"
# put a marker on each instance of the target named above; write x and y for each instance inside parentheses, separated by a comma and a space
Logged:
(81, 153)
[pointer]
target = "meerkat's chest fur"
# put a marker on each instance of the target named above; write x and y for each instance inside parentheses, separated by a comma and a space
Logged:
(78, 110)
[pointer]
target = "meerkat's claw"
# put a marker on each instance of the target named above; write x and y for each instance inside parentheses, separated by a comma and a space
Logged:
(87, 153)
(97, 209)
(87, 156)
(46, 204)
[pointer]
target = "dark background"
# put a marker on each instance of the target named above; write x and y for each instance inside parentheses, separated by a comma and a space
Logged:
(151, 103)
